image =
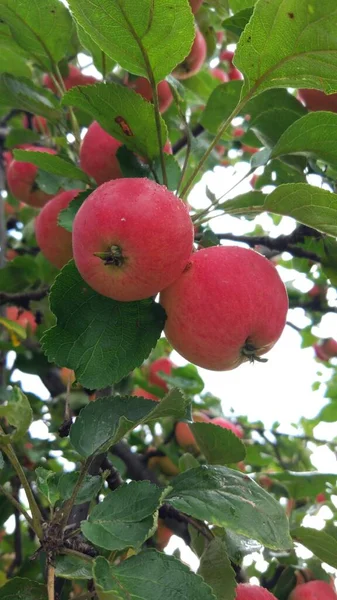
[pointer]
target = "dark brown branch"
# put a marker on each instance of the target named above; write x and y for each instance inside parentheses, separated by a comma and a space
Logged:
(22, 298)
(180, 144)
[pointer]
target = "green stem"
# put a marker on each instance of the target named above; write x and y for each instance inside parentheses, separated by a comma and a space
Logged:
(74, 122)
(36, 514)
(70, 552)
(217, 138)
(70, 503)
(17, 505)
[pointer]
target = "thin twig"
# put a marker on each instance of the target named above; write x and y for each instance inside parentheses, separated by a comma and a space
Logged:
(22, 298)
(17, 505)
(51, 583)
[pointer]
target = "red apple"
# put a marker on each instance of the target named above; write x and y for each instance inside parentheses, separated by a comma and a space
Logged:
(98, 154)
(132, 238)
(234, 74)
(227, 55)
(74, 77)
(55, 241)
(253, 180)
(142, 86)
(195, 5)
(144, 394)
(313, 590)
(21, 180)
(194, 61)
(238, 132)
(221, 422)
(317, 290)
(163, 365)
(184, 436)
(228, 306)
(246, 591)
(23, 317)
(163, 535)
(67, 376)
(219, 74)
(320, 498)
(249, 149)
(38, 123)
(329, 347)
(317, 100)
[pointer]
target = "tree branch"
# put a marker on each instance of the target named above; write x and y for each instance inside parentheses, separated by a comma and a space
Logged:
(23, 298)
(180, 144)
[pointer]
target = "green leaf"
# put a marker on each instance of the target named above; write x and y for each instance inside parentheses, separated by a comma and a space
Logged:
(121, 112)
(186, 378)
(21, 136)
(238, 21)
(220, 446)
(245, 204)
(230, 499)
(320, 543)
(285, 584)
(302, 484)
(2, 462)
(13, 63)
(309, 205)
(46, 482)
(237, 5)
(21, 588)
(103, 63)
(289, 44)
(220, 105)
(89, 336)
(73, 567)
(44, 34)
(52, 164)
(66, 217)
(313, 135)
(19, 415)
(14, 327)
(89, 489)
(148, 576)
(23, 94)
(215, 568)
(126, 517)
(173, 171)
(158, 33)
(104, 422)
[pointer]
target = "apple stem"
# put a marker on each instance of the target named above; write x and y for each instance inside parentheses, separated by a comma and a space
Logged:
(112, 256)
(249, 351)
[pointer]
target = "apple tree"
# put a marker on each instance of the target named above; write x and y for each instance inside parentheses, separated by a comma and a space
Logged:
(111, 111)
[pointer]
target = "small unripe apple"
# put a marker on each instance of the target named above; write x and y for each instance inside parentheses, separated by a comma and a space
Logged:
(184, 436)
(74, 77)
(163, 535)
(163, 464)
(53, 240)
(228, 306)
(194, 61)
(39, 124)
(219, 74)
(132, 238)
(22, 317)
(318, 100)
(98, 154)
(221, 422)
(163, 365)
(144, 394)
(21, 180)
(195, 5)
(246, 591)
(142, 86)
(313, 590)
(67, 376)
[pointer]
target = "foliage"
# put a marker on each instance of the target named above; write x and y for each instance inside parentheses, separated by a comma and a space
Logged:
(99, 531)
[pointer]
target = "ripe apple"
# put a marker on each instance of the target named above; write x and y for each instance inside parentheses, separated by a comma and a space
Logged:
(221, 422)
(329, 347)
(234, 74)
(39, 124)
(98, 154)
(195, 5)
(21, 180)
(318, 100)
(319, 352)
(184, 436)
(246, 591)
(219, 74)
(227, 55)
(144, 394)
(111, 250)
(320, 498)
(23, 317)
(163, 535)
(163, 365)
(67, 376)
(194, 61)
(253, 180)
(74, 77)
(228, 306)
(53, 240)
(313, 590)
(317, 290)
(11, 254)
(142, 86)
(249, 149)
